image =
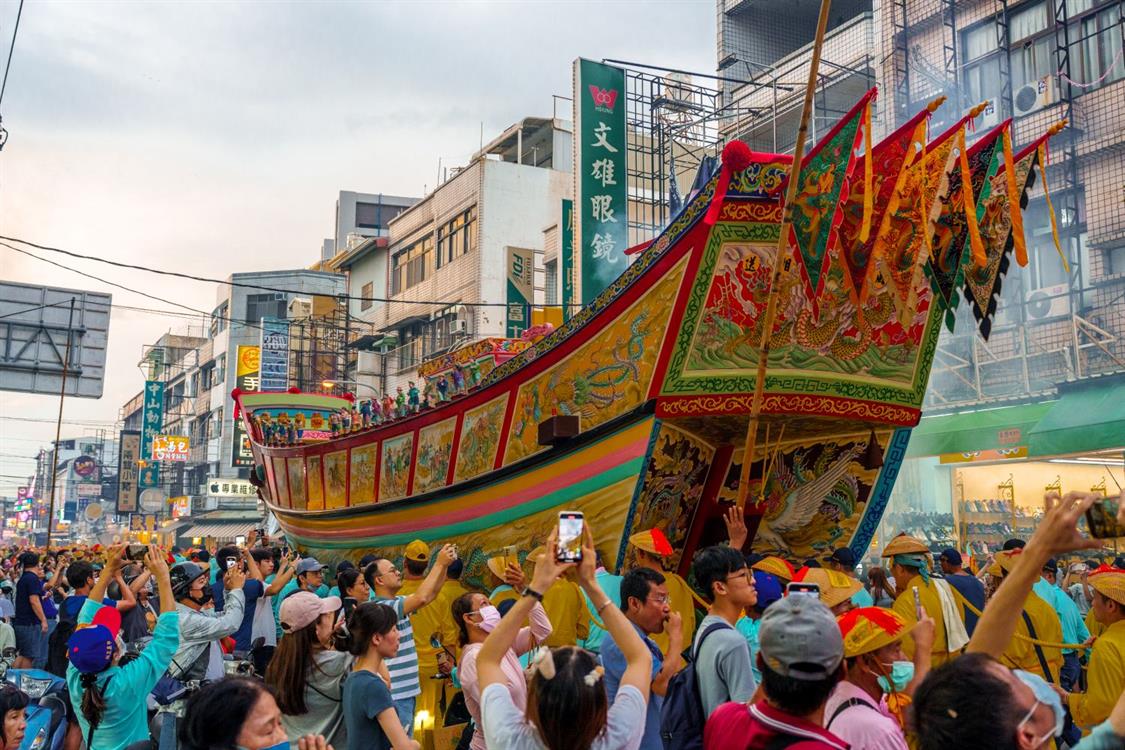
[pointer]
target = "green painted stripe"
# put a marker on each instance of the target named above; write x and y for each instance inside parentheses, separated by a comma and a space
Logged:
(626, 470)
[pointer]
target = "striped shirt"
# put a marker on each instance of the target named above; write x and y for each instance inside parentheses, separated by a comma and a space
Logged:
(404, 665)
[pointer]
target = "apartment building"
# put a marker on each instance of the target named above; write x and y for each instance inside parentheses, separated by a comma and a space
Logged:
(359, 217)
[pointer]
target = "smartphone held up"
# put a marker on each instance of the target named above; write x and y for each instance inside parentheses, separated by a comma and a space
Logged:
(1101, 518)
(571, 532)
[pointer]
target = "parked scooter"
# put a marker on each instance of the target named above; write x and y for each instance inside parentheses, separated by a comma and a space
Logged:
(46, 710)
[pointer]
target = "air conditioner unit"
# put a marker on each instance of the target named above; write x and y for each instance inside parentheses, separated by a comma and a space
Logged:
(300, 308)
(459, 327)
(1048, 302)
(1034, 96)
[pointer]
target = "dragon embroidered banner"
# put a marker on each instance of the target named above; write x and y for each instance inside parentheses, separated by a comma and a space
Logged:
(816, 214)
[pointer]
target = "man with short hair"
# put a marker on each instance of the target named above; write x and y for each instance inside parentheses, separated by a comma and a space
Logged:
(722, 661)
(1105, 677)
(30, 622)
(651, 548)
(842, 560)
(1073, 631)
(386, 581)
(199, 655)
(968, 586)
(801, 662)
(645, 604)
(308, 576)
(910, 566)
(81, 578)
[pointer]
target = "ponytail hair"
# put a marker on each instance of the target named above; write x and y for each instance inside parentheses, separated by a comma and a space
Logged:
(93, 700)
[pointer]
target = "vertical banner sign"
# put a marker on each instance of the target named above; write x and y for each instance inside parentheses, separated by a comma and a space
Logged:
(567, 252)
(600, 151)
(274, 359)
(521, 290)
(128, 455)
(152, 425)
(246, 380)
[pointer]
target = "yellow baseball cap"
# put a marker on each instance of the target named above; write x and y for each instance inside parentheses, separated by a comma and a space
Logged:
(418, 551)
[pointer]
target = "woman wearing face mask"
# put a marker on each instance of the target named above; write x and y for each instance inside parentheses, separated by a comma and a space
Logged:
(13, 708)
(237, 713)
(369, 711)
(110, 699)
(866, 709)
(476, 618)
(305, 673)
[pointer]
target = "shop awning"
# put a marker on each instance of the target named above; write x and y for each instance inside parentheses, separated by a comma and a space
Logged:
(1089, 415)
(985, 429)
(222, 531)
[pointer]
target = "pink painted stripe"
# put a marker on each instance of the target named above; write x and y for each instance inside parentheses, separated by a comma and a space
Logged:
(562, 479)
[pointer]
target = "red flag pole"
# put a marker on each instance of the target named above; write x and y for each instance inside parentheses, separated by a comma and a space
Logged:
(782, 246)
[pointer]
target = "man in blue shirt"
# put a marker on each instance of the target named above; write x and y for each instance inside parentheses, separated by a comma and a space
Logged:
(968, 586)
(254, 589)
(30, 621)
(1074, 631)
(645, 603)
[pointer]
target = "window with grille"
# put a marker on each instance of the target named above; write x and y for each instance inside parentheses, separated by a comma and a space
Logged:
(367, 292)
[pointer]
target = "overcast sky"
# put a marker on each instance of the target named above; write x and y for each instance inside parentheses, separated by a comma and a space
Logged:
(214, 137)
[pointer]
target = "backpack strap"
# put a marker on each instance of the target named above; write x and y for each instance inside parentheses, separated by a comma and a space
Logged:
(844, 707)
(1038, 649)
(703, 636)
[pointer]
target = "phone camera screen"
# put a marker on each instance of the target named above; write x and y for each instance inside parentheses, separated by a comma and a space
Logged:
(570, 537)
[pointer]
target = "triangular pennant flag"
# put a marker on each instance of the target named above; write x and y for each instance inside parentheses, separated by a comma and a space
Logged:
(957, 220)
(868, 203)
(815, 214)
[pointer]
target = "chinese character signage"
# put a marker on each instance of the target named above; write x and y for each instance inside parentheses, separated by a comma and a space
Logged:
(217, 487)
(566, 250)
(89, 489)
(600, 151)
(152, 423)
(245, 379)
(521, 290)
(274, 358)
(142, 522)
(127, 470)
(170, 448)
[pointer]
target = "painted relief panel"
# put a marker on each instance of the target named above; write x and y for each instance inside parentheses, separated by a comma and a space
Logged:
(480, 437)
(672, 487)
(604, 378)
(435, 446)
(281, 481)
(362, 483)
(336, 479)
(297, 483)
(316, 482)
(396, 467)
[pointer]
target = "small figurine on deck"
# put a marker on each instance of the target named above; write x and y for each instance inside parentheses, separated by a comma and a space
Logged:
(400, 403)
(474, 373)
(376, 412)
(412, 397)
(291, 434)
(345, 421)
(443, 388)
(458, 380)
(388, 407)
(365, 413)
(428, 394)
(333, 423)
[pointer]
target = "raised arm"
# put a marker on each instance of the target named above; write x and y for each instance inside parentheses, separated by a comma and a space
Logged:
(428, 591)
(673, 660)
(252, 569)
(536, 633)
(128, 599)
(283, 577)
(1057, 534)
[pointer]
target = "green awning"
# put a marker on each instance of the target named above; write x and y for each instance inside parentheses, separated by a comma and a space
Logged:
(1089, 416)
(985, 429)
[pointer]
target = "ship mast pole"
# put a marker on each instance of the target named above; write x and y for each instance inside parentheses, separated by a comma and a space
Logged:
(782, 247)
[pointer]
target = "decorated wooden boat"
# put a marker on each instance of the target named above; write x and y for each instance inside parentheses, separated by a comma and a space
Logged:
(660, 371)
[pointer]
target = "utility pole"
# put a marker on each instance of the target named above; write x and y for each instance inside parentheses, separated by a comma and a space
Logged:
(58, 423)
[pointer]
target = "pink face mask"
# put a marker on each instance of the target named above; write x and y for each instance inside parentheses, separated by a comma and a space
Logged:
(489, 618)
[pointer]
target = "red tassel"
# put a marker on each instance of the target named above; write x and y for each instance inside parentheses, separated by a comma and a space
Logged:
(737, 156)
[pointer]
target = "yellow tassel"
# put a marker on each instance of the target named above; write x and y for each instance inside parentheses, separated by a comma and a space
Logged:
(1019, 242)
(969, 205)
(1051, 208)
(868, 198)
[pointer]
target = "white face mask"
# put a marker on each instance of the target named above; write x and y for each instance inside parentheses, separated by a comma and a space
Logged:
(490, 618)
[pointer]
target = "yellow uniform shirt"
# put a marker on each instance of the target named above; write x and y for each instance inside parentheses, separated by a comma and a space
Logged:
(682, 601)
(1021, 654)
(1092, 624)
(931, 603)
(566, 608)
(1105, 678)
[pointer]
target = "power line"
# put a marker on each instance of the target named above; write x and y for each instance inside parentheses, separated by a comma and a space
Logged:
(76, 422)
(33, 309)
(244, 285)
(11, 49)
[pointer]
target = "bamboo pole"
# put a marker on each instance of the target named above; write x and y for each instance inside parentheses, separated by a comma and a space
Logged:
(782, 246)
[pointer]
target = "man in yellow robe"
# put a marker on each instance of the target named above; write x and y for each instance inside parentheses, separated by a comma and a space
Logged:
(1022, 653)
(652, 546)
(1105, 677)
(910, 567)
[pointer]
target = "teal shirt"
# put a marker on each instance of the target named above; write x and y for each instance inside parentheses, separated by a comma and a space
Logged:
(611, 585)
(125, 719)
(862, 598)
(749, 630)
(1073, 626)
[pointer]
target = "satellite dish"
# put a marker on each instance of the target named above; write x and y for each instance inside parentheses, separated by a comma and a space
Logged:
(152, 500)
(94, 511)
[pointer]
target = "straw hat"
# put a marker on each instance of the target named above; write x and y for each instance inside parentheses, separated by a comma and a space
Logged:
(904, 544)
(1110, 583)
(868, 629)
(835, 587)
(1003, 562)
(536, 554)
(652, 541)
(775, 566)
(498, 564)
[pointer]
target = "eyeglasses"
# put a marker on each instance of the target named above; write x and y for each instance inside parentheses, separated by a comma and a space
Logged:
(744, 574)
(661, 599)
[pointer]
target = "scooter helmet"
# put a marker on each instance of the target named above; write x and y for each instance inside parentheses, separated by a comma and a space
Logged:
(182, 576)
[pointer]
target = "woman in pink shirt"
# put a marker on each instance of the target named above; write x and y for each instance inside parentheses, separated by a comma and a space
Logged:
(476, 617)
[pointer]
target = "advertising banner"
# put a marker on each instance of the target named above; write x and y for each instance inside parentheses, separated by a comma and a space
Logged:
(217, 487)
(152, 422)
(127, 468)
(171, 448)
(181, 506)
(89, 489)
(274, 358)
(521, 290)
(246, 379)
(566, 250)
(600, 152)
